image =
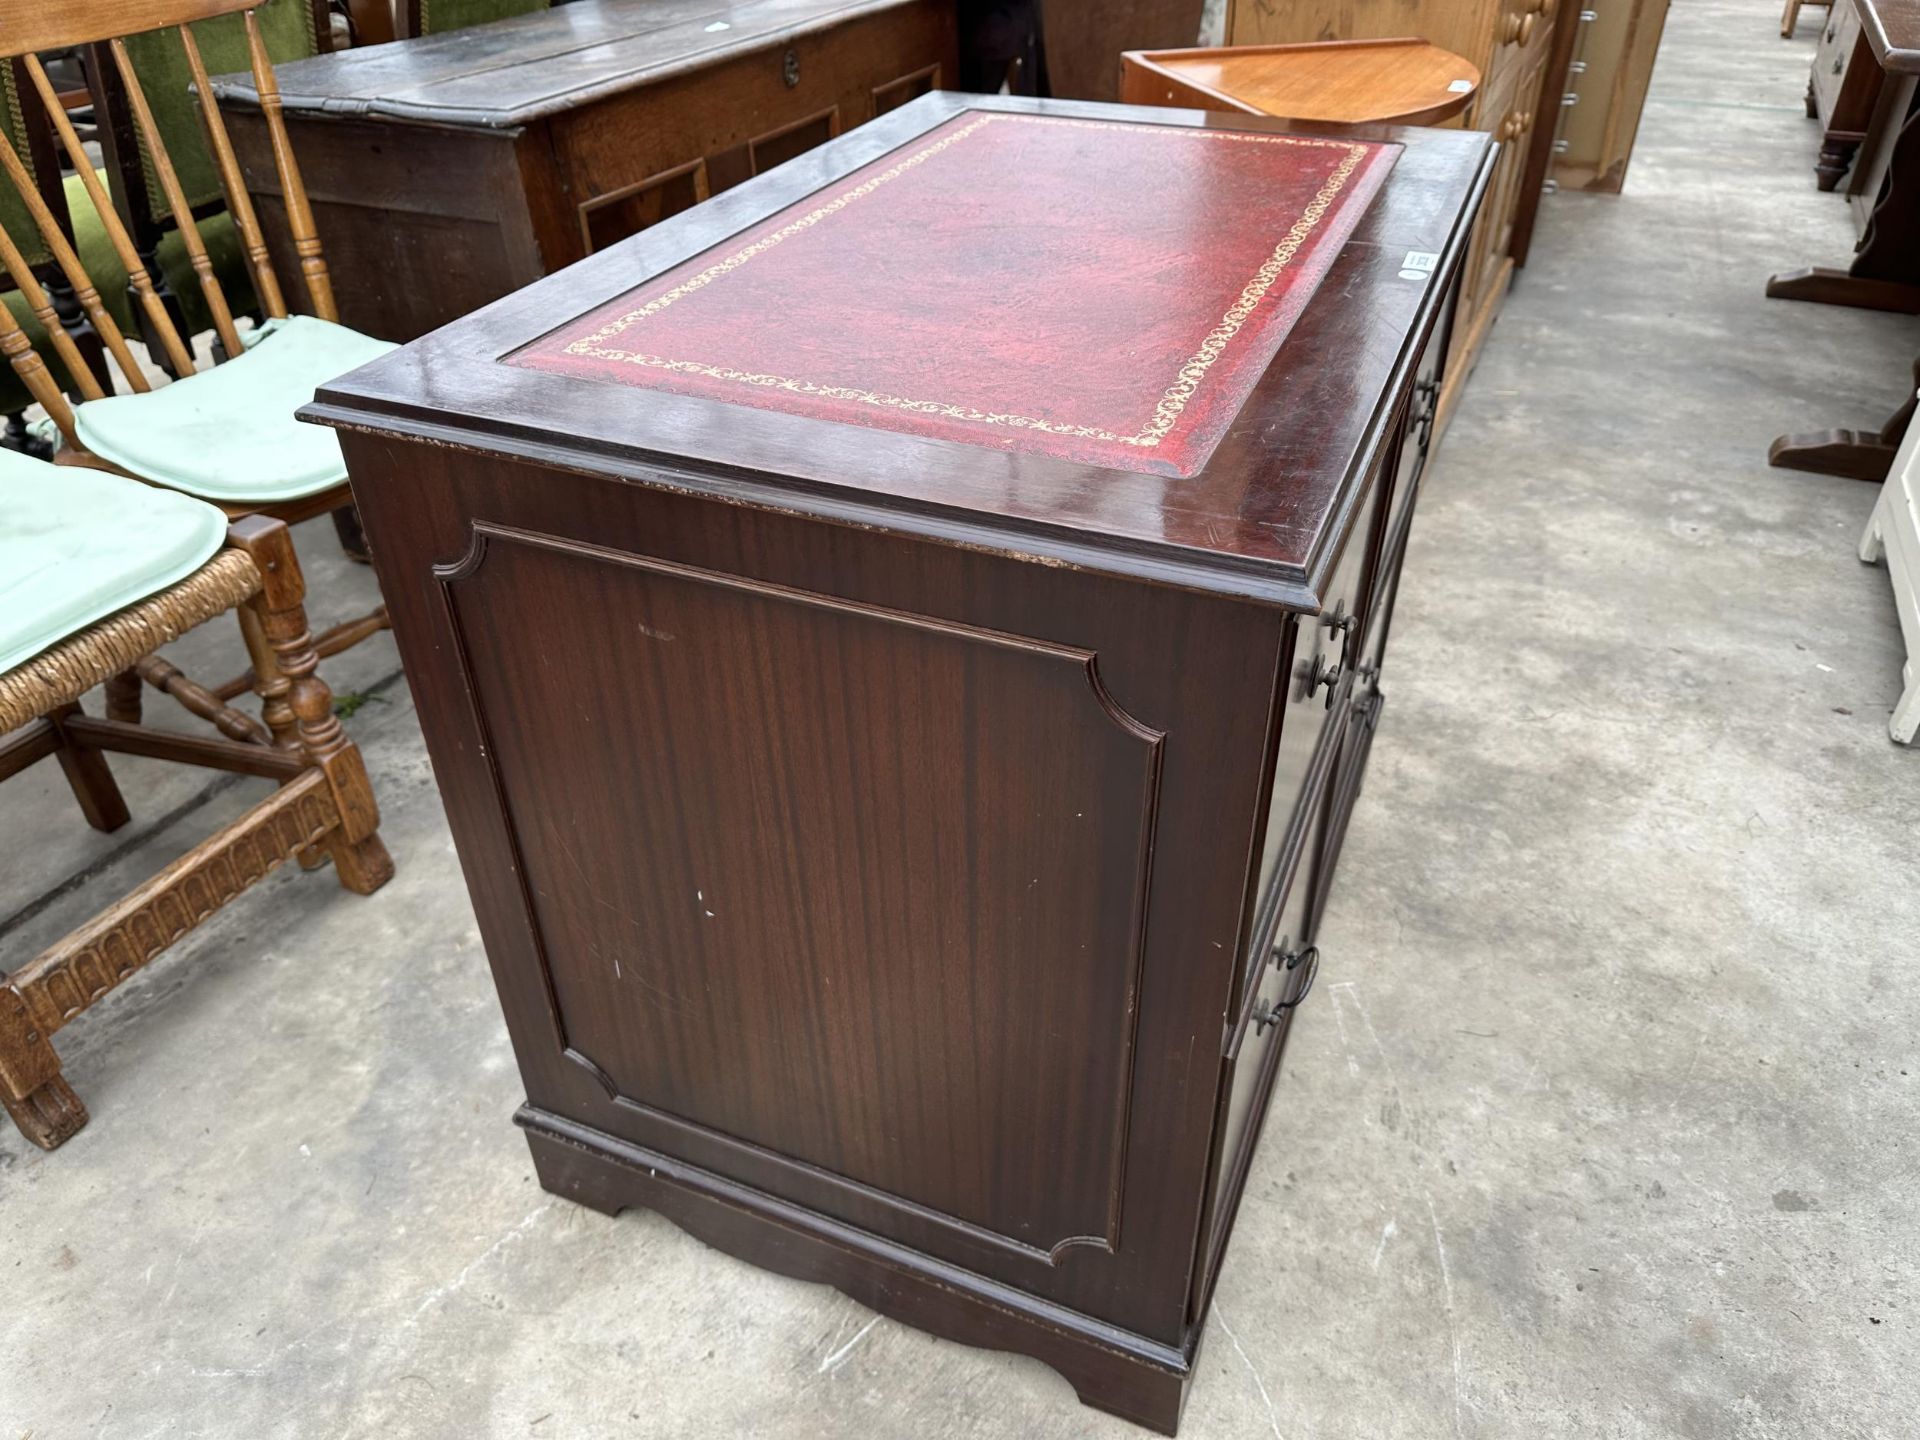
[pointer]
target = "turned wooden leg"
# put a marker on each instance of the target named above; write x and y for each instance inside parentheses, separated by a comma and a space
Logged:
(273, 688)
(330, 641)
(359, 858)
(32, 1090)
(269, 684)
(1835, 157)
(1789, 19)
(88, 776)
(123, 697)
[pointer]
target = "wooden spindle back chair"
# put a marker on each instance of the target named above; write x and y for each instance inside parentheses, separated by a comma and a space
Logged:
(24, 126)
(151, 435)
(30, 26)
(85, 598)
(290, 30)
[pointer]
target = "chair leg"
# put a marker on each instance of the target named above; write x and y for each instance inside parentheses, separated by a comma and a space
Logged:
(50, 1116)
(32, 1089)
(279, 611)
(88, 776)
(273, 688)
(363, 866)
(123, 697)
(269, 684)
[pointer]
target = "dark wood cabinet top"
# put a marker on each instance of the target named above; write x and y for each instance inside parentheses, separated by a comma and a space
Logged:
(1893, 30)
(940, 272)
(512, 72)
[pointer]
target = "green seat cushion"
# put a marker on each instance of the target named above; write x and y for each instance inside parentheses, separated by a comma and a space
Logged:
(102, 263)
(228, 433)
(77, 545)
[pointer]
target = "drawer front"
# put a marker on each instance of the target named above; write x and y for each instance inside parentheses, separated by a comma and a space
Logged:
(1366, 675)
(1326, 650)
(1830, 59)
(1364, 697)
(1363, 721)
(634, 158)
(1522, 31)
(1324, 647)
(1410, 468)
(1288, 966)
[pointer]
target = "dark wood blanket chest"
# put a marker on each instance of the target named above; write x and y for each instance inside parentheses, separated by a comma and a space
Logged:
(899, 644)
(448, 171)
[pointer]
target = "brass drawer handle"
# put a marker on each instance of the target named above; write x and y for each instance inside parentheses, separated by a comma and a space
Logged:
(1265, 1014)
(1326, 673)
(1340, 621)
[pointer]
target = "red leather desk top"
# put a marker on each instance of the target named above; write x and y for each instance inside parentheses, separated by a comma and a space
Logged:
(1099, 291)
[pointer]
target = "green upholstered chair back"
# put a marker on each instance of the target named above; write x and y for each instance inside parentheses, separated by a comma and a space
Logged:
(288, 27)
(14, 218)
(430, 17)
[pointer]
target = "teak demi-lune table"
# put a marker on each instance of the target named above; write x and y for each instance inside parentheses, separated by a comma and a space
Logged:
(1398, 82)
(899, 644)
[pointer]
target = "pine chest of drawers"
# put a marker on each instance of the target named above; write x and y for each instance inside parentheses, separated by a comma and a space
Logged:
(898, 644)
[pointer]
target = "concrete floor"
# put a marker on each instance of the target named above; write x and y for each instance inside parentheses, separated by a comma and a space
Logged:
(1602, 1125)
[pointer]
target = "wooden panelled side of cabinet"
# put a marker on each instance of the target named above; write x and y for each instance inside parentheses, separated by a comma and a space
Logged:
(443, 177)
(1510, 41)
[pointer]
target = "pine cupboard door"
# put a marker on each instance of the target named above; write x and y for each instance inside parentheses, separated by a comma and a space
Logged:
(896, 881)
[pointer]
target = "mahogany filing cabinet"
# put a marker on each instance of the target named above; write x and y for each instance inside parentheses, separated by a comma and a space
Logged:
(898, 755)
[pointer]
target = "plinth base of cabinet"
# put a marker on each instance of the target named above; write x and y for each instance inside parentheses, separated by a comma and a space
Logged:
(1110, 1369)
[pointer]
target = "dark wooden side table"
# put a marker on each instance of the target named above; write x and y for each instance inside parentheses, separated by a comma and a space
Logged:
(898, 643)
(1885, 274)
(1842, 91)
(448, 171)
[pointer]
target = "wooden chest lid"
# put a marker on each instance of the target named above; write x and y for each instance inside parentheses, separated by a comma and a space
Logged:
(1122, 338)
(513, 72)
